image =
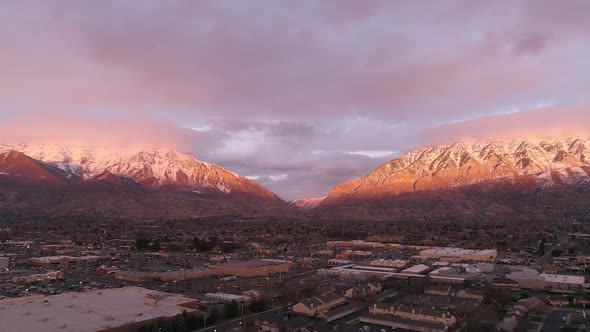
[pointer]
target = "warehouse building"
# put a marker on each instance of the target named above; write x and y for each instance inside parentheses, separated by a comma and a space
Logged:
(253, 268)
(106, 310)
(459, 255)
(392, 263)
(226, 297)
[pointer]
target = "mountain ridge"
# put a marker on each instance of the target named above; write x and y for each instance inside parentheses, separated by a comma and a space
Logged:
(149, 167)
(547, 162)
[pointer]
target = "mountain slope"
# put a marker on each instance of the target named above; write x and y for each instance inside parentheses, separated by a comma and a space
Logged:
(149, 167)
(46, 181)
(307, 203)
(15, 164)
(534, 163)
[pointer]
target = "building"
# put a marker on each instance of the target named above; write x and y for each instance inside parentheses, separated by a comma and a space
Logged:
(68, 262)
(563, 282)
(226, 297)
(391, 263)
(253, 268)
(4, 263)
(412, 316)
(506, 283)
(338, 262)
(39, 278)
(364, 291)
(179, 275)
(460, 255)
(356, 272)
(449, 274)
(531, 279)
(417, 269)
(528, 279)
(479, 268)
(319, 304)
(106, 310)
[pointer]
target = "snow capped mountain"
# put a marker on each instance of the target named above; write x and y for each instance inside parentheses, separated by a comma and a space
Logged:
(149, 167)
(307, 203)
(547, 162)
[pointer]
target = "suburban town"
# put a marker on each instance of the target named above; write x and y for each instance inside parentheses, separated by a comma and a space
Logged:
(294, 166)
(249, 276)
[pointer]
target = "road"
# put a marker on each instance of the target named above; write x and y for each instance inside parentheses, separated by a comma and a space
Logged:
(554, 321)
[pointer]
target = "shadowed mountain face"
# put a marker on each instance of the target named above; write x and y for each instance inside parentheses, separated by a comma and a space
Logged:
(538, 163)
(59, 180)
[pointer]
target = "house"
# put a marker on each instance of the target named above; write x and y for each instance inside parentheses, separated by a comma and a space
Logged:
(506, 283)
(475, 293)
(444, 290)
(558, 301)
(319, 304)
(363, 291)
(414, 312)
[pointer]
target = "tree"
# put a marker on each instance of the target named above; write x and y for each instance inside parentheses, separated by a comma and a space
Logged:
(232, 309)
(141, 243)
(155, 246)
(180, 324)
(542, 248)
(258, 306)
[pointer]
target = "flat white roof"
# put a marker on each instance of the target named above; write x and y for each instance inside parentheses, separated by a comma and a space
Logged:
(89, 311)
(417, 269)
(564, 279)
(458, 252)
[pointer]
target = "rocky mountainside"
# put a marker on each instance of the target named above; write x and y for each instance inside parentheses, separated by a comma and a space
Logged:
(46, 181)
(307, 203)
(148, 167)
(534, 163)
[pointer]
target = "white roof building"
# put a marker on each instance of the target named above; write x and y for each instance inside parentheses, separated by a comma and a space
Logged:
(90, 311)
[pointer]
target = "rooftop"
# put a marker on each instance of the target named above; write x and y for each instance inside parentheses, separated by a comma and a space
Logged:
(90, 311)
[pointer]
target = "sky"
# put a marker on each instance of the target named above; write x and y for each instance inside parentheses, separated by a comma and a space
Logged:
(298, 95)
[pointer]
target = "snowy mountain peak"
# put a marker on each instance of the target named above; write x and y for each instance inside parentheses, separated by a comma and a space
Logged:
(307, 203)
(149, 166)
(546, 161)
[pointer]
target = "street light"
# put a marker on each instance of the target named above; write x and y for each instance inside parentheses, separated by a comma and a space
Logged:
(267, 278)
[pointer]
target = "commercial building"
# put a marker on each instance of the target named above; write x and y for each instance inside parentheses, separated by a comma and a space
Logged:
(253, 268)
(392, 263)
(38, 278)
(449, 274)
(417, 269)
(563, 282)
(226, 297)
(528, 279)
(337, 262)
(531, 279)
(459, 255)
(107, 310)
(356, 272)
(68, 262)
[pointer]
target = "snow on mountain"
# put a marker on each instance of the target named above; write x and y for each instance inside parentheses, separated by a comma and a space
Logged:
(548, 162)
(152, 167)
(307, 203)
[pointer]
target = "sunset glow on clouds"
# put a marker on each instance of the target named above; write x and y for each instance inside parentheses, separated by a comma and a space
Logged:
(298, 94)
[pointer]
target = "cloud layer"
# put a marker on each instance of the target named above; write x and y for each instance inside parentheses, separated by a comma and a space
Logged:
(300, 94)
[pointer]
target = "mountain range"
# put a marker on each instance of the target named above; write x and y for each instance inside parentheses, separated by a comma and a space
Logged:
(135, 181)
(469, 178)
(540, 163)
